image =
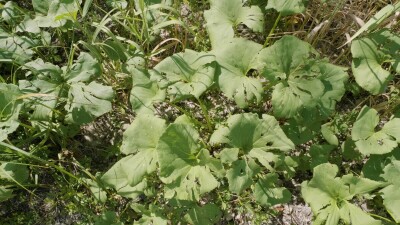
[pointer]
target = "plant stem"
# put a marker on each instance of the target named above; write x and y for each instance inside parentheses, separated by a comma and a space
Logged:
(272, 30)
(206, 116)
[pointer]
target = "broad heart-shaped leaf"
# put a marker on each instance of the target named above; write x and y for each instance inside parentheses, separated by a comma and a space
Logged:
(252, 137)
(184, 163)
(235, 58)
(370, 54)
(86, 102)
(370, 142)
(328, 196)
(301, 79)
(207, 214)
(267, 194)
(390, 194)
(10, 106)
(186, 74)
(225, 15)
(288, 7)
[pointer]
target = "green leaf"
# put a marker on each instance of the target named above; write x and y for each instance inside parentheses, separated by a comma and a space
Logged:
(247, 132)
(200, 215)
(360, 185)
(41, 6)
(390, 194)
(11, 13)
(14, 172)
(187, 74)
(320, 154)
(43, 91)
(229, 155)
(328, 196)
(59, 13)
(252, 137)
(328, 133)
(268, 194)
(153, 215)
(240, 176)
(288, 7)
(373, 168)
(301, 79)
(99, 194)
(18, 48)
(10, 106)
(184, 163)
(107, 218)
(225, 15)
(141, 138)
(86, 102)
(145, 92)
(51, 86)
(370, 142)
(235, 67)
(143, 134)
(5, 194)
(84, 69)
(121, 174)
(369, 56)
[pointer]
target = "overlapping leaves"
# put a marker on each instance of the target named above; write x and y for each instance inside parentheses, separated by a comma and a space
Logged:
(185, 165)
(301, 79)
(51, 86)
(255, 139)
(367, 140)
(329, 196)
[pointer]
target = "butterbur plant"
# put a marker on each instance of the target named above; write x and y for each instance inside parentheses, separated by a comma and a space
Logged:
(198, 112)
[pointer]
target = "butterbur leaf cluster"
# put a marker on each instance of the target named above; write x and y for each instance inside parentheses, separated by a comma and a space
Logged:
(212, 113)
